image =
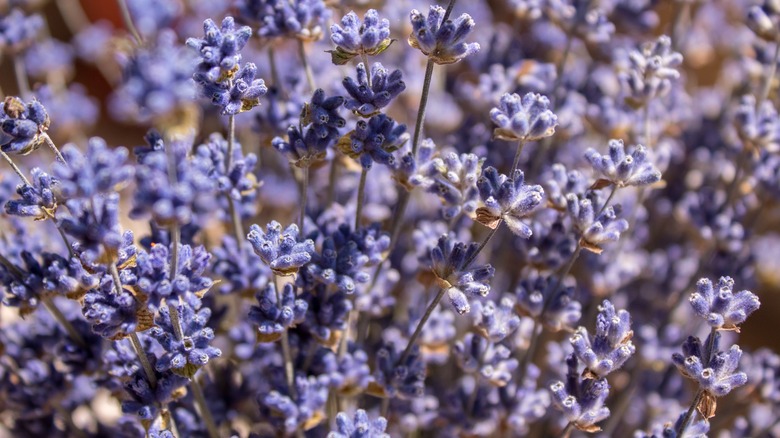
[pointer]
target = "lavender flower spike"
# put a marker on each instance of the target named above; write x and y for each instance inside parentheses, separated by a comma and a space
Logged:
(36, 200)
(624, 169)
(594, 231)
(21, 126)
(276, 312)
(220, 48)
(450, 266)
(523, 119)
(367, 100)
(507, 199)
(721, 308)
(359, 427)
(442, 41)
(280, 250)
(717, 377)
(354, 38)
(610, 347)
(582, 403)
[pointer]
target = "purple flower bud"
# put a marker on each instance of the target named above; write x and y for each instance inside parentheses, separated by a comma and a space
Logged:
(359, 427)
(280, 249)
(624, 169)
(610, 347)
(367, 100)
(506, 199)
(721, 308)
(526, 119)
(442, 41)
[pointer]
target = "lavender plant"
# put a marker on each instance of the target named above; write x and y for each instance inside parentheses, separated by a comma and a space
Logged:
(198, 283)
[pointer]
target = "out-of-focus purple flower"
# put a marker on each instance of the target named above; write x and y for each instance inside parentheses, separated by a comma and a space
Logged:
(651, 72)
(450, 264)
(92, 42)
(151, 16)
(302, 19)
(764, 20)
(405, 380)
(624, 169)
(558, 312)
(722, 308)
(610, 347)
(594, 231)
(492, 361)
(239, 182)
(442, 41)
(353, 38)
(115, 315)
(18, 30)
(49, 56)
(758, 128)
(367, 100)
(101, 170)
(451, 176)
(507, 199)
(186, 355)
(72, 108)
(374, 140)
(302, 412)
(151, 274)
(343, 258)
(280, 249)
(523, 119)
(157, 80)
(560, 182)
(496, 321)
(94, 225)
(22, 125)
(36, 200)
(187, 201)
(359, 427)
(276, 312)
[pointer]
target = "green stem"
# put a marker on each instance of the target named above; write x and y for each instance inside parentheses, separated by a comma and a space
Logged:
(128, 20)
(567, 430)
(360, 197)
(16, 169)
(306, 66)
(205, 412)
(144, 359)
(420, 325)
(289, 370)
(235, 214)
(423, 103)
(368, 69)
(516, 161)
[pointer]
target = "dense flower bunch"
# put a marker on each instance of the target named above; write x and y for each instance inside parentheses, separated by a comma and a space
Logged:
(355, 219)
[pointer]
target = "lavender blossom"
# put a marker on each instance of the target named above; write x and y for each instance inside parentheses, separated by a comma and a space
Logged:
(594, 231)
(557, 312)
(115, 315)
(280, 249)
(359, 427)
(301, 412)
(624, 169)
(450, 264)
(240, 94)
(441, 41)
(187, 354)
(368, 99)
(276, 312)
(508, 200)
(301, 19)
(582, 402)
(404, 380)
(18, 30)
(22, 126)
(610, 347)
(719, 375)
(451, 176)
(220, 49)
(37, 200)
(523, 119)
(353, 38)
(374, 140)
(101, 170)
(652, 70)
(721, 308)
(496, 321)
(758, 129)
